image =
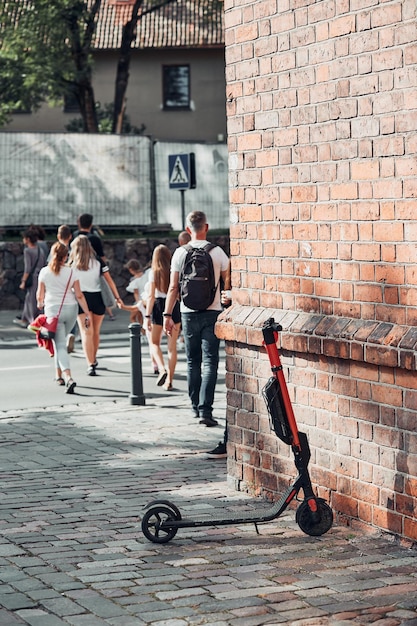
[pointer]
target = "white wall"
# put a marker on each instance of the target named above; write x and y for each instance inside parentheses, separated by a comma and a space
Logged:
(204, 122)
(49, 178)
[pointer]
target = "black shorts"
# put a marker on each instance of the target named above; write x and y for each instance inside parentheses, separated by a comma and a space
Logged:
(158, 309)
(95, 303)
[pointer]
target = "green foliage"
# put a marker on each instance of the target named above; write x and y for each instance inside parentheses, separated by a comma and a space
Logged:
(105, 119)
(45, 51)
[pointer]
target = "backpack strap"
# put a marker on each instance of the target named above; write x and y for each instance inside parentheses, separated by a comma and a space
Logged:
(209, 246)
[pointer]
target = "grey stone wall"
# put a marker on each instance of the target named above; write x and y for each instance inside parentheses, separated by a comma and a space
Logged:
(118, 252)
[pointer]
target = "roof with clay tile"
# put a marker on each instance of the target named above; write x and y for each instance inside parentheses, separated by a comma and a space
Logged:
(182, 23)
(179, 24)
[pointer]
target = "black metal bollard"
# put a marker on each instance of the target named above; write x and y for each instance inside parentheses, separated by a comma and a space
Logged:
(136, 396)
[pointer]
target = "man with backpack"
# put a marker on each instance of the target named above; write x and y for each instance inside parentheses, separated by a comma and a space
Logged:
(196, 271)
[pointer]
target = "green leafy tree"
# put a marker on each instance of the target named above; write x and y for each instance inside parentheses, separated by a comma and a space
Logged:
(45, 54)
(23, 69)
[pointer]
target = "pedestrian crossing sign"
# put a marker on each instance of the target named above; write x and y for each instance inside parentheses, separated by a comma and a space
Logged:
(181, 171)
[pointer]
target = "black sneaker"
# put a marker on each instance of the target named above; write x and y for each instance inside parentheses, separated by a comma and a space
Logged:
(71, 384)
(91, 371)
(209, 421)
(219, 451)
(161, 378)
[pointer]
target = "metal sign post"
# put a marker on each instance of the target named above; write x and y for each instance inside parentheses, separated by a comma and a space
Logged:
(183, 208)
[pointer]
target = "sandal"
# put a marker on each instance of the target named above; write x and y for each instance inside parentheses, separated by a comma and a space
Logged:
(162, 378)
(168, 387)
(70, 386)
(60, 381)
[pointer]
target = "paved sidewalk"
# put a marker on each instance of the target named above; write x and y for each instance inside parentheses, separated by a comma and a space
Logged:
(74, 484)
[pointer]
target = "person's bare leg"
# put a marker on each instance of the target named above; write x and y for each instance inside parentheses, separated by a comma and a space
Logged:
(155, 346)
(87, 338)
(172, 355)
(97, 321)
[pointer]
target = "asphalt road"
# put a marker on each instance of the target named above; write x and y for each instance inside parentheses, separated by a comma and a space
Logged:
(27, 372)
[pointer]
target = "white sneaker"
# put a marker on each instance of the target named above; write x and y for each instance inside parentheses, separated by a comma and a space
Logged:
(19, 322)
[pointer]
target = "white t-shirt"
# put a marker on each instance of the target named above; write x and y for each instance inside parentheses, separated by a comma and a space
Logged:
(220, 264)
(90, 279)
(55, 285)
(138, 283)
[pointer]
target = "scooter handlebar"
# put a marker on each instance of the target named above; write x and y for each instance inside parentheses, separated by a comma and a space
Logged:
(270, 331)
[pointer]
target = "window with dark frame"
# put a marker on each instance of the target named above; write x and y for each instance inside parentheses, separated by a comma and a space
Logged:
(176, 87)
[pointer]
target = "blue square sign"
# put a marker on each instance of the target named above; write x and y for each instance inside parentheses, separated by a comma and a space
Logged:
(181, 171)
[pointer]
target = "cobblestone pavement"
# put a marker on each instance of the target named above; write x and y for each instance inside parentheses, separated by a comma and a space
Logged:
(74, 484)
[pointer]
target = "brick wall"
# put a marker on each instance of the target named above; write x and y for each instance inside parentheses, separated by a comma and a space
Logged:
(322, 119)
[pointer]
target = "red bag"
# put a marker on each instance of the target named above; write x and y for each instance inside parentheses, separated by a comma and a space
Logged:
(48, 328)
(45, 326)
(37, 327)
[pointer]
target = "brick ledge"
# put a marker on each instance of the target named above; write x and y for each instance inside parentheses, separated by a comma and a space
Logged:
(378, 343)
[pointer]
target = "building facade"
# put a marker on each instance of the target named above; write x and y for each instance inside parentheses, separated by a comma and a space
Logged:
(322, 121)
(176, 88)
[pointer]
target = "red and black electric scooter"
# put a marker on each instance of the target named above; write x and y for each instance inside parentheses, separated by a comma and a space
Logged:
(163, 519)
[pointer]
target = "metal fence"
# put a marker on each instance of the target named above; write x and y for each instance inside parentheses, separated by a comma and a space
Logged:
(50, 178)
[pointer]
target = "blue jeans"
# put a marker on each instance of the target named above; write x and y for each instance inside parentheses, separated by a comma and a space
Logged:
(202, 350)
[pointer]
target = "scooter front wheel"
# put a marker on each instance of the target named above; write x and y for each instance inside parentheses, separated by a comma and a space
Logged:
(153, 520)
(317, 523)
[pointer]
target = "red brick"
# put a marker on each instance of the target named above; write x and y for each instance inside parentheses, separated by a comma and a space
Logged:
(345, 504)
(368, 293)
(410, 529)
(411, 487)
(387, 520)
(381, 356)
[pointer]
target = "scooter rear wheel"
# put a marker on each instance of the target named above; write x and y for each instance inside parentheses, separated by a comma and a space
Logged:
(153, 520)
(169, 504)
(314, 524)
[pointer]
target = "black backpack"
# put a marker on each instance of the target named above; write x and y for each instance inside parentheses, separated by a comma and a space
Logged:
(196, 280)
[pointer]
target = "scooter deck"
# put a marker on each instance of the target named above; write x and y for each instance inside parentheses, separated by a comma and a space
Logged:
(241, 518)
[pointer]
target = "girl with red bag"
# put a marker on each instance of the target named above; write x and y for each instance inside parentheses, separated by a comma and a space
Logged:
(59, 292)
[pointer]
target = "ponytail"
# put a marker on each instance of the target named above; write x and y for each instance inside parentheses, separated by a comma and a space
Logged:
(59, 253)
